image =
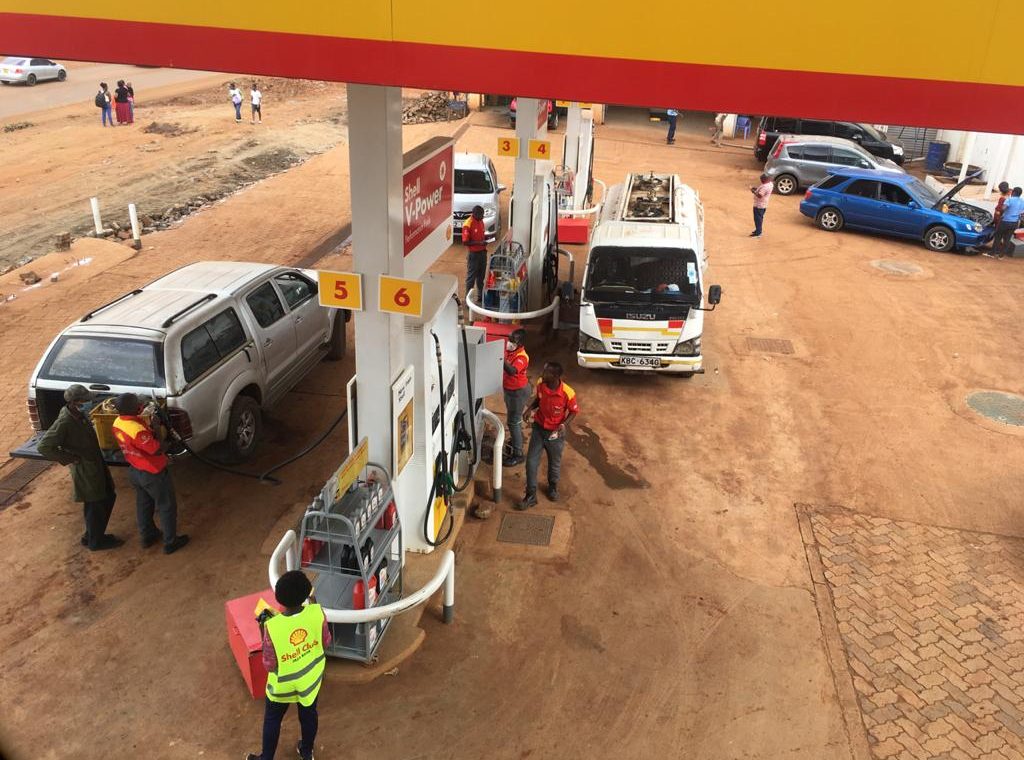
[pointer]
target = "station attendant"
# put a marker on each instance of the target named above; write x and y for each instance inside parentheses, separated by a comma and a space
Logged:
(71, 440)
(474, 236)
(294, 653)
(148, 474)
(553, 407)
(516, 385)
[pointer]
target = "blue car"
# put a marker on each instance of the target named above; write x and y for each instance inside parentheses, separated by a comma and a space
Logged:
(900, 205)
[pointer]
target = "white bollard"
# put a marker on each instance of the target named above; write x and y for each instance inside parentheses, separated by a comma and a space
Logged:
(133, 215)
(95, 203)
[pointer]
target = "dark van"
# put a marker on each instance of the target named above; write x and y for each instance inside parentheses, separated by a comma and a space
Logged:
(869, 138)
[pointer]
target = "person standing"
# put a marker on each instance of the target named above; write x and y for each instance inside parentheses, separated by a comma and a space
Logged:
(131, 102)
(294, 650)
(148, 474)
(257, 98)
(71, 440)
(997, 215)
(672, 115)
(236, 100)
(103, 102)
(718, 130)
(553, 407)
(516, 386)
(761, 195)
(1008, 223)
(474, 236)
(121, 103)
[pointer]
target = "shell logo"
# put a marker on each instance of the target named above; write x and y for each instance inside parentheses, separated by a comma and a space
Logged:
(298, 636)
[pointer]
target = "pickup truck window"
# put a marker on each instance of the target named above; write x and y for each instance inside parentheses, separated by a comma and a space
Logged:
(212, 341)
(297, 290)
(265, 305)
(107, 361)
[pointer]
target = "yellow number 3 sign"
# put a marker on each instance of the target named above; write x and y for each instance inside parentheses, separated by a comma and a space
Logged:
(400, 296)
(508, 146)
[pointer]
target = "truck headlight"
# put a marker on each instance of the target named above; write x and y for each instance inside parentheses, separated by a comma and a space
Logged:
(490, 212)
(591, 345)
(688, 347)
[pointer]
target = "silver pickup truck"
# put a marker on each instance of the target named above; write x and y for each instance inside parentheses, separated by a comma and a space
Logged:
(217, 342)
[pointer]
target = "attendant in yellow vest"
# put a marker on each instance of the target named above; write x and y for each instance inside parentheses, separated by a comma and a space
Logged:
(294, 645)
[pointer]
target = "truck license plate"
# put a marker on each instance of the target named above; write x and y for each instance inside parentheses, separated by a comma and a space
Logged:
(639, 361)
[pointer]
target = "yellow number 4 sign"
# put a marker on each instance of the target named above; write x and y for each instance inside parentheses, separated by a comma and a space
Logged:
(508, 146)
(341, 289)
(400, 296)
(539, 149)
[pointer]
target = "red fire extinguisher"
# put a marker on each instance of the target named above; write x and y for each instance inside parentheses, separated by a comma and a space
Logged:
(387, 520)
(359, 594)
(310, 548)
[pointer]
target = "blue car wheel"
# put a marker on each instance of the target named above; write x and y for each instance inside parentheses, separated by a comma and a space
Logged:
(939, 238)
(830, 219)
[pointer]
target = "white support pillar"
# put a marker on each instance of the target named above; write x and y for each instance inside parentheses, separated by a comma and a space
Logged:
(1011, 157)
(523, 192)
(573, 122)
(967, 154)
(999, 163)
(375, 161)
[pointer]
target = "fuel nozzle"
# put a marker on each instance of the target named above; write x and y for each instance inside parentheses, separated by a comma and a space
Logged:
(437, 346)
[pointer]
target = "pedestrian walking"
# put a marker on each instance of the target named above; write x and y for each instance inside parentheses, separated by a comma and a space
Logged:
(131, 102)
(148, 474)
(553, 407)
(71, 440)
(516, 386)
(761, 195)
(1008, 224)
(236, 100)
(672, 116)
(294, 650)
(121, 103)
(718, 130)
(257, 99)
(474, 236)
(103, 102)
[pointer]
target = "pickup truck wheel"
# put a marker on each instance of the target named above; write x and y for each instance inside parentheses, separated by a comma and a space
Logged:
(830, 219)
(244, 426)
(939, 238)
(338, 346)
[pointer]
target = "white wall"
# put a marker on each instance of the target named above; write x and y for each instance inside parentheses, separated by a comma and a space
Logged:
(990, 152)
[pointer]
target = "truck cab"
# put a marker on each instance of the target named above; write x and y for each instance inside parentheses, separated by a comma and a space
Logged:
(642, 304)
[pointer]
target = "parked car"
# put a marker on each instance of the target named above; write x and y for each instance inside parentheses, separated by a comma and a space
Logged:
(476, 183)
(900, 205)
(869, 138)
(25, 70)
(553, 113)
(797, 161)
(217, 342)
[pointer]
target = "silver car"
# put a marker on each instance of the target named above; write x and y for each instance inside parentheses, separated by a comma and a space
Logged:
(476, 184)
(25, 70)
(802, 160)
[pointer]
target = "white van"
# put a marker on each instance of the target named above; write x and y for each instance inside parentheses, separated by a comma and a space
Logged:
(642, 304)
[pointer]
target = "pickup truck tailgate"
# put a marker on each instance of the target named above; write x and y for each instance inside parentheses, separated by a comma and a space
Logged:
(30, 450)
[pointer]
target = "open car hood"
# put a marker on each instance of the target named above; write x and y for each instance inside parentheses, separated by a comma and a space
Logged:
(955, 189)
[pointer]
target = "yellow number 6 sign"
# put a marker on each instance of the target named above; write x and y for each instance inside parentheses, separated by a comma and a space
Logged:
(400, 296)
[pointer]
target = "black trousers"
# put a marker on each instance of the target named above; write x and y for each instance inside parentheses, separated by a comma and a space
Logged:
(97, 515)
(272, 717)
(1003, 243)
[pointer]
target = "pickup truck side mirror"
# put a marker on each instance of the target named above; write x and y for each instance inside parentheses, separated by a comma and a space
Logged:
(715, 295)
(314, 288)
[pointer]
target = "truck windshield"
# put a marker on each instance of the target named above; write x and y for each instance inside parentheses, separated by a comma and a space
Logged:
(110, 361)
(472, 182)
(644, 275)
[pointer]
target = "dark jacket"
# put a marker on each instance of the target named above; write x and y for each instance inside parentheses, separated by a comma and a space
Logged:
(121, 95)
(71, 440)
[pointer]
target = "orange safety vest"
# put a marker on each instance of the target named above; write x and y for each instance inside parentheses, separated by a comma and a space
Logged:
(141, 448)
(521, 361)
(474, 234)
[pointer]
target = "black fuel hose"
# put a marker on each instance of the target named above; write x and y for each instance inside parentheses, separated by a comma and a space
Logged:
(471, 405)
(442, 485)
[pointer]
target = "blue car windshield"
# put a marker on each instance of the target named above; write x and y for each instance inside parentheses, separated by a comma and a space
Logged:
(924, 193)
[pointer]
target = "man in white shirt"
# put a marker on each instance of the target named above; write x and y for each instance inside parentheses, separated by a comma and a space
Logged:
(672, 114)
(236, 100)
(257, 99)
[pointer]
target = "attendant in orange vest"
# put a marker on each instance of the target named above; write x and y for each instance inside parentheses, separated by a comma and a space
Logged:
(148, 473)
(516, 385)
(552, 409)
(474, 236)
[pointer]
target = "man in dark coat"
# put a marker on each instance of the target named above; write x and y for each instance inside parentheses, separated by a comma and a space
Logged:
(71, 440)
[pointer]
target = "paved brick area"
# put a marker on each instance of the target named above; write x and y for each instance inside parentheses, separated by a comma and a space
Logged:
(932, 624)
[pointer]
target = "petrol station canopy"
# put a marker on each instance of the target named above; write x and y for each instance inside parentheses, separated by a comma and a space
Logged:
(882, 64)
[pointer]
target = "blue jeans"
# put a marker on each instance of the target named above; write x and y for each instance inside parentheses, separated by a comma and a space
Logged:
(108, 115)
(758, 219)
(672, 128)
(541, 441)
(238, 111)
(273, 715)
(515, 405)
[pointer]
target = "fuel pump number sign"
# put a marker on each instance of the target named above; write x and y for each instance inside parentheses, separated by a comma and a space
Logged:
(508, 146)
(341, 289)
(400, 296)
(539, 149)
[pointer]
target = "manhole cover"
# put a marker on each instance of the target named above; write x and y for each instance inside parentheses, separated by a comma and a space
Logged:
(899, 268)
(770, 345)
(20, 477)
(1005, 408)
(534, 530)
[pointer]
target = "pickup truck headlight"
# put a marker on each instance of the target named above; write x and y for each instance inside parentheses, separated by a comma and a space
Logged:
(688, 347)
(591, 345)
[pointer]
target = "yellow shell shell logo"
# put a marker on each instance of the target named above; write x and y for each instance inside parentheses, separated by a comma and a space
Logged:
(298, 636)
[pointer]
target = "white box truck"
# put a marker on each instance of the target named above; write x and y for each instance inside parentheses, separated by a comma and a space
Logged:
(642, 305)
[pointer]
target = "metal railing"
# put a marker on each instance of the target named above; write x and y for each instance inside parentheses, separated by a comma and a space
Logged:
(475, 308)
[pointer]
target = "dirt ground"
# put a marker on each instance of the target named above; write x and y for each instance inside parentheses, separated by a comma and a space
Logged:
(681, 621)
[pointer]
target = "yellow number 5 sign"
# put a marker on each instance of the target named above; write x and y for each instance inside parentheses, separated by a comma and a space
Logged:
(400, 296)
(341, 289)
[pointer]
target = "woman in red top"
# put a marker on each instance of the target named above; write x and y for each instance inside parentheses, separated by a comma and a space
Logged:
(553, 408)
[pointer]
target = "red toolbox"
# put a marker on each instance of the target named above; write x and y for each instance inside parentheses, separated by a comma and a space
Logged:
(573, 230)
(244, 638)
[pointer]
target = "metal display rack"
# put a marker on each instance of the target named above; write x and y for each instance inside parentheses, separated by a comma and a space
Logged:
(505, 286)
(353, 542)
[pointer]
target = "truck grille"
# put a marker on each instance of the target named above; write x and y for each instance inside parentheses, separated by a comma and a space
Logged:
(640, 346)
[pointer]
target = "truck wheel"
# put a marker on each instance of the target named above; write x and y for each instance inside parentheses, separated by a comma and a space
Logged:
(939, 238)
(244, 426)
(338, 346)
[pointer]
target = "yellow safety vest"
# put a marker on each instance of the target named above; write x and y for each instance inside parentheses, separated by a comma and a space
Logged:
(298, 642)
